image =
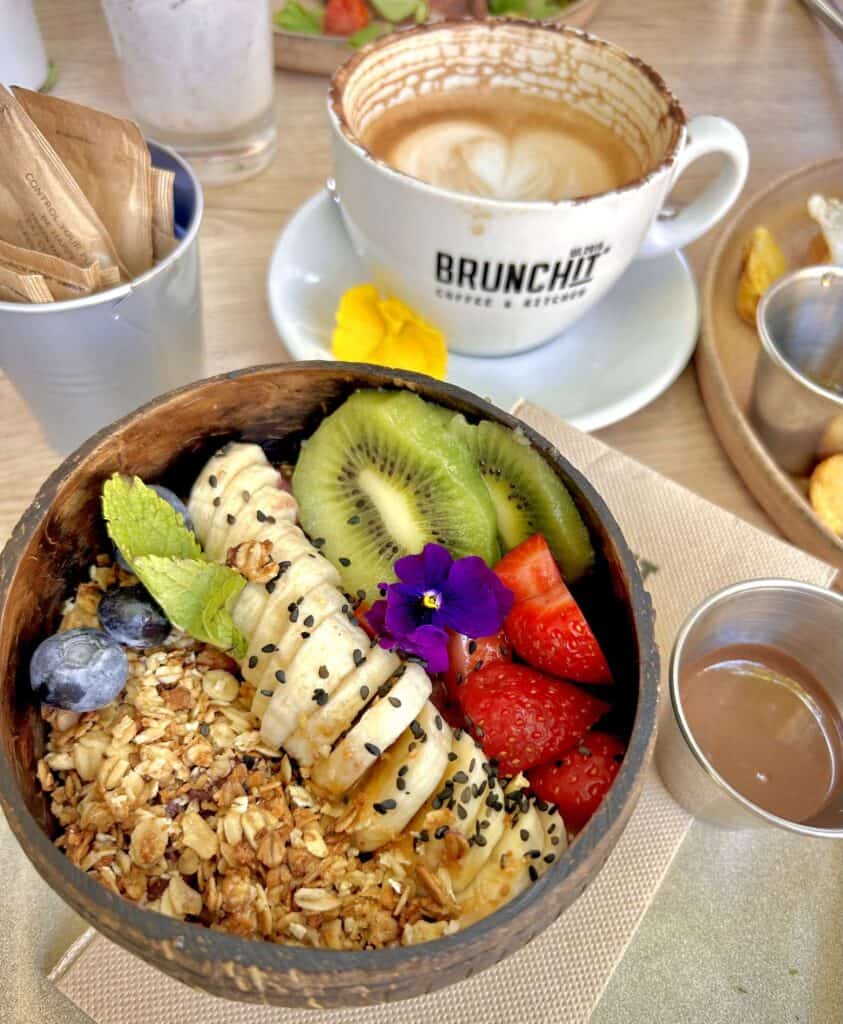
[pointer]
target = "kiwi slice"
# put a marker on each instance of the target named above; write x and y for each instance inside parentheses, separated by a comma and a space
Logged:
(527, 495)
(380, 478)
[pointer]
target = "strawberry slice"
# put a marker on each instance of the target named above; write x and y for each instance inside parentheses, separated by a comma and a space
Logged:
(524, 718)
(550, 632)
(529, 569)
(466, 656)
(579, 780)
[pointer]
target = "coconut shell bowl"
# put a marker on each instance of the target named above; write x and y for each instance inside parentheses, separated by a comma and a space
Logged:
(168, 441)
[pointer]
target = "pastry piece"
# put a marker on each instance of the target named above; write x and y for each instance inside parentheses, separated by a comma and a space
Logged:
(825, 491)
(763, 263)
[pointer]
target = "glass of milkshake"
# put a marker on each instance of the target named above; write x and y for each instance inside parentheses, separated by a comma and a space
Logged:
(199, 77)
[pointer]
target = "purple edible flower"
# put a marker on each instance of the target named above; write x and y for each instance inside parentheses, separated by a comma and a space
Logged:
(437, 593)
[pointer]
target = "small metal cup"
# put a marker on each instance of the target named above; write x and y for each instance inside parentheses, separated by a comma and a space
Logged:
(83, 363)
(798, 383)
(804, 621)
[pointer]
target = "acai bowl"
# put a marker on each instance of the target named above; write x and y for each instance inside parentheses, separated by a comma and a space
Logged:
(186, 696)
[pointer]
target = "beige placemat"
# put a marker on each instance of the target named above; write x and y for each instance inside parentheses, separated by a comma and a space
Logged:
(687, 548)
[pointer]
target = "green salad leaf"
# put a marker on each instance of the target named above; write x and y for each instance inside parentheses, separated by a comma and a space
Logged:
(295, 17)
(536, 9)
(374, 30)
(395, 10)
(195, 594)
(197, 597)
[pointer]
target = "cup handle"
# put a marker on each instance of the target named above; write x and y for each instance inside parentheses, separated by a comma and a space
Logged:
(706, 135)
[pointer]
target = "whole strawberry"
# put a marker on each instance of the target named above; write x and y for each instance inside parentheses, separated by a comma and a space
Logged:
(522, 717)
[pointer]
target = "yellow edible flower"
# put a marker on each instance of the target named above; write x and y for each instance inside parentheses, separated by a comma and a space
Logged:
(386, 332)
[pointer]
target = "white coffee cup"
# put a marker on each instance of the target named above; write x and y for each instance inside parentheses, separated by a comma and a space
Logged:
(499, 276)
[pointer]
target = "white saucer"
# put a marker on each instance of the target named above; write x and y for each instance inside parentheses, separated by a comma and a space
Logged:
(624, 353)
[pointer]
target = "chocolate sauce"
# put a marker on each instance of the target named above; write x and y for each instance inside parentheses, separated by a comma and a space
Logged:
(767, 727)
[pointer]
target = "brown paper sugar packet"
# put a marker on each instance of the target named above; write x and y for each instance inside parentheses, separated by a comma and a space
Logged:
(109, 277)
(41, 206)
(163, 213)
(15, 287)
(110, 161)
(64, 280)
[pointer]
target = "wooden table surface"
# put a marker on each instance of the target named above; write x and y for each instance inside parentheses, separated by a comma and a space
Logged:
(765, 64)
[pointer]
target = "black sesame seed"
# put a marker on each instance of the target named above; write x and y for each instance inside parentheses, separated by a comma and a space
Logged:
(354, 520)
(230, 519)
(260, 516)
(424, 835)
(361, 594)
(364, 693)
(462, 813)
(465, 796)
(485, 823)
(271, 520)
(460, 776)
(294, 613)
(525, 834)
(549, 858)
(478, 665)
(269, 648)
(416, 729)
(308, 621)
(437, 802)
(217, 502)
(323, 672)
(253, 661)
(534, 875)
(283, 566)
(441, 832)
(472, 764)
(395, 702)
(472, 646)
(321, 697)
(452, 755)
(212, 480)
(246, 496)
(411, 748)
(305, 635)
(373, 749)
(554, 840)
(358, 656)
(551, 828)
(345, 562)
(205, 729)
(458, 734)
(318, 542)
(270, 587)
(403, 769)
(542, 805)
(266, 693)
(400, 785)
(479, 790)
(533, 854)
(438, 723)
(280, 676)
(480, 839)
(385, 805)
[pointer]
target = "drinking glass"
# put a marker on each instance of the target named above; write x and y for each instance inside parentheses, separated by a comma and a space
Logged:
(199, 77)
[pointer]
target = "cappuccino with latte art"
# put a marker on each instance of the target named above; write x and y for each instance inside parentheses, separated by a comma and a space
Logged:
(503, 144)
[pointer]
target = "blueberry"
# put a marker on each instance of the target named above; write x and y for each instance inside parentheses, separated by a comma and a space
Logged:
(131, 617)
(78, 670)
(171, 499)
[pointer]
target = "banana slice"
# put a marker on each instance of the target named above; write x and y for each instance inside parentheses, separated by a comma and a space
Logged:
(380, 726)
(235, 501)
(317, 733)
(300, 579)
(210, 483)
(489, 826)
(456, 802)
(555, 835)
(514, 863)
(250, 607)
(402, 780)
(321, 664)
(317, 605)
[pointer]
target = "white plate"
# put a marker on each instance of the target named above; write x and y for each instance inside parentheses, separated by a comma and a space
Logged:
(617, 359)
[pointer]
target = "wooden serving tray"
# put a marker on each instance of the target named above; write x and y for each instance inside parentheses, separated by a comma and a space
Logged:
(728, 349)
(322, 55)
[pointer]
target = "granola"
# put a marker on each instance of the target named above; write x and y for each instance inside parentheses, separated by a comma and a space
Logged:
(169, 798)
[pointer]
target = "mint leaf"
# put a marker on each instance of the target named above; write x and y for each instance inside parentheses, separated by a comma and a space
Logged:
(140, 522)
(293, 17)
(196, 596)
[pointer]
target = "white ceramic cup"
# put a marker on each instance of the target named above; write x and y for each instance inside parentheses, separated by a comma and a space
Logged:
(500, 276)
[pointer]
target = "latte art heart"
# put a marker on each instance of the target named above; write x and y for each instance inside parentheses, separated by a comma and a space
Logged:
(502, 144)
(477, 159)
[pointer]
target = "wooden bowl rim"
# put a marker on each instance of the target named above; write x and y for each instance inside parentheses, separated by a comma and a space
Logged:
(720, 400)
(185, 940)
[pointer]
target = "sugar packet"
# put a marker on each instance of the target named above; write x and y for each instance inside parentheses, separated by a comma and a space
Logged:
(110, 162)
(16, 287)
(63, 279)
(42, 207)
(163, 213)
